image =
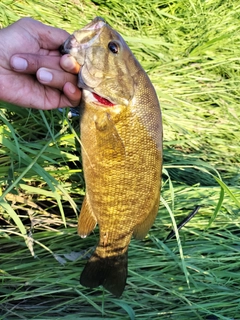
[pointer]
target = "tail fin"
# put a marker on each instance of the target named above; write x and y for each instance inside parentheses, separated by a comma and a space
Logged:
(111, 272)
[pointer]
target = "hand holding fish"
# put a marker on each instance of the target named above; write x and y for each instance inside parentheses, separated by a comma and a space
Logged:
(32, 72)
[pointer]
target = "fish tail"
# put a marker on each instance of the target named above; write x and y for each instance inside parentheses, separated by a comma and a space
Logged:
(110, 272)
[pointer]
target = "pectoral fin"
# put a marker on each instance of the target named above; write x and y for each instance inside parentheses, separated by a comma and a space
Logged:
(109, 140)
(142, 229)
(87, 220)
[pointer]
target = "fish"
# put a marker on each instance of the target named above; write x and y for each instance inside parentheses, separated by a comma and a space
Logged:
(121, 146)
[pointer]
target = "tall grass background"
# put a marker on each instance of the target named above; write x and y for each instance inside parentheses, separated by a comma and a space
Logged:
(191, 51)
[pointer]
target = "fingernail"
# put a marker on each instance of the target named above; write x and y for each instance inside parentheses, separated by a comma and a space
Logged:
(71, 88)
(19, 63)
(45, 75)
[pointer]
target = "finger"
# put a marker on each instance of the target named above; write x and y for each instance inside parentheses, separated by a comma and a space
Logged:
(30, 63)
(55, 78)
(72, 93)
(69, 64)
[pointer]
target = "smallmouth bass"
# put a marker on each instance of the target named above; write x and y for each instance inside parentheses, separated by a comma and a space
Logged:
(121, 134)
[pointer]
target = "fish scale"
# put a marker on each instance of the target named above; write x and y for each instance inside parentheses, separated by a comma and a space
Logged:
(121, 136)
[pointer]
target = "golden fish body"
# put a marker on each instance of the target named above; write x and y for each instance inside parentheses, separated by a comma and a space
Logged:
(121, 133)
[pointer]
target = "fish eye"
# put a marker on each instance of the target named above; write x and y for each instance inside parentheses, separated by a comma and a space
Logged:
(113, 46)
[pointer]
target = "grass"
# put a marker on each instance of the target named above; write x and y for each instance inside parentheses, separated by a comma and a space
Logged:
(190, 50)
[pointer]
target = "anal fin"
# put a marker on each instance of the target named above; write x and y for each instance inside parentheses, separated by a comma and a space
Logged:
(87, 220)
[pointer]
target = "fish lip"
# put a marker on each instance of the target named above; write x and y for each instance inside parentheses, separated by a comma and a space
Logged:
(72, 44)
(69, 45)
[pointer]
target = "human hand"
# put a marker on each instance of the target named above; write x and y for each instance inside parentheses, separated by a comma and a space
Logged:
(32, 72)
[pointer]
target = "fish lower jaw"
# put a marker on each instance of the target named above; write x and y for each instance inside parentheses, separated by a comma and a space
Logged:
(92, 97)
